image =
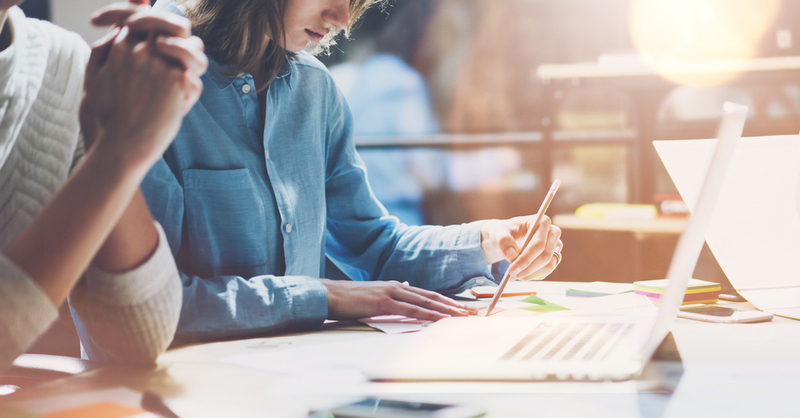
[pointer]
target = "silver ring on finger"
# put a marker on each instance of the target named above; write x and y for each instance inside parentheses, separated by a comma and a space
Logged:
(557, 255)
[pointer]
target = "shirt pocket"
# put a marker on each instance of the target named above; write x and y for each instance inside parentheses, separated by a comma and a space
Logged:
(227, 224)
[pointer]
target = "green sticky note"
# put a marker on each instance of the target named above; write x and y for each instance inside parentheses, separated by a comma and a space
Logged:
(540, 305)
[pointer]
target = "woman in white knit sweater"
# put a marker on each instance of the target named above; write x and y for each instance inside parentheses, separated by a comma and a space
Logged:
(59, 218)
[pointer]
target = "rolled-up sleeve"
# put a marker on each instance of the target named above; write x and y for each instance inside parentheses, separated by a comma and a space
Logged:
(232, 306)
(129, 317)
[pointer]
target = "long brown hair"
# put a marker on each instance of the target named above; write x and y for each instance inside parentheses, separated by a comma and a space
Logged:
(249, 35)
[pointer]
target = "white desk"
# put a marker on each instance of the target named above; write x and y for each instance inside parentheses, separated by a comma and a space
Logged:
(743, 370)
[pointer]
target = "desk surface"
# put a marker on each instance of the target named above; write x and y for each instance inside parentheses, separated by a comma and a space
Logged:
(741, 370)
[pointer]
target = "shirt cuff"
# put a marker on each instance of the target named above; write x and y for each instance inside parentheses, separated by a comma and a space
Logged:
(135, 286)
(25, 310)
(471, 260)
(309, 302)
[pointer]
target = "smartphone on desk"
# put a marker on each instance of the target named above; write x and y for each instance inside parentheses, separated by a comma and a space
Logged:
(723, 314)
(384, 408)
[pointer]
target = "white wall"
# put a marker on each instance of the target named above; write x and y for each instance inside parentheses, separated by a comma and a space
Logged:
(74, 15)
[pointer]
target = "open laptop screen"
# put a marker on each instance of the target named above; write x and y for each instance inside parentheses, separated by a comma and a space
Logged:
(691, 241)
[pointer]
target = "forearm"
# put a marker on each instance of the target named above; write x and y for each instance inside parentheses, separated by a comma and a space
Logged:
(58, 245)
(25, 312)
(132, 241)
(444, 259)
(231, 306)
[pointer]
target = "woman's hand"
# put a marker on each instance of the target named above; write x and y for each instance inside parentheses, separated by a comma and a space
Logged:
(355, 300)
(141, 79)
(175, 42)
(502, 239)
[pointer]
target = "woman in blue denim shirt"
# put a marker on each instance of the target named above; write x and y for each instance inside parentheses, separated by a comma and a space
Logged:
(263, 186)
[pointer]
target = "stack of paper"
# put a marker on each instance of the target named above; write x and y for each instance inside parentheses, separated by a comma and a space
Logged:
(698, 291)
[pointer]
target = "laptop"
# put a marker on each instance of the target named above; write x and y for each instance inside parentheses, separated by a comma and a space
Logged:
(573, 346)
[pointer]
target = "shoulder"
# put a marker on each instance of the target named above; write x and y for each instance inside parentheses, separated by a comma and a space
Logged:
(308, 72)
(55, 59)
(308, 62)
(61, 45)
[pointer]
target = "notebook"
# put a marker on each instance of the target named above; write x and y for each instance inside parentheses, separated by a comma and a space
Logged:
(573, 346)
(755, 230)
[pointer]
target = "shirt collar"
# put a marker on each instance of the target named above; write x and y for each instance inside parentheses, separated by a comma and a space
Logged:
(216, 72)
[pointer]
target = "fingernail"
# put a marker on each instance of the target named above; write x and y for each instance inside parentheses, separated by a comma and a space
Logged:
(112, 33)
(510, 253)
(514, 271)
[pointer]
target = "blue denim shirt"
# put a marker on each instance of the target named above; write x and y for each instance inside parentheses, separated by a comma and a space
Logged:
(251, 215)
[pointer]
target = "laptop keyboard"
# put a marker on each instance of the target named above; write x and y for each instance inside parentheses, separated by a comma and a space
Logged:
(569, 341)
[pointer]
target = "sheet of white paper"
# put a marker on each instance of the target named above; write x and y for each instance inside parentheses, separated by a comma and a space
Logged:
(336, 356)
(604, 287)
(755, 230)
(395, 324)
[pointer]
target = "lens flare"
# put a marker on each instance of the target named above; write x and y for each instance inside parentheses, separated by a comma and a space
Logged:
(677, 36)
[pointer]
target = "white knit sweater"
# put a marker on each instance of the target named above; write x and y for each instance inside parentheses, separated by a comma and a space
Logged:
(129, 317)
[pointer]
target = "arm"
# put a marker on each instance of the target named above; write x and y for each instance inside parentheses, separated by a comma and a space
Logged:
(229, 306)
(54, 249)
(395, 250)
(126, 308)
(132, 241)
(378, 252)
(57, 246)
(367, 244)
(127, 305)
(25, 312)
(126, 138)
(129, 317)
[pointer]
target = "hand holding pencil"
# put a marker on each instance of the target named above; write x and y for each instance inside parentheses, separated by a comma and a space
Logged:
(536, 257)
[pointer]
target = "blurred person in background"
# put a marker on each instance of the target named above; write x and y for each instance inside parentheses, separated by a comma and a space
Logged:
(388, 98)
(478, 67)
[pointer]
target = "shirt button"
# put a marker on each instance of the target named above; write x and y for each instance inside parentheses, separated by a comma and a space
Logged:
(246, 88)
(266, 154)
(288, 228)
